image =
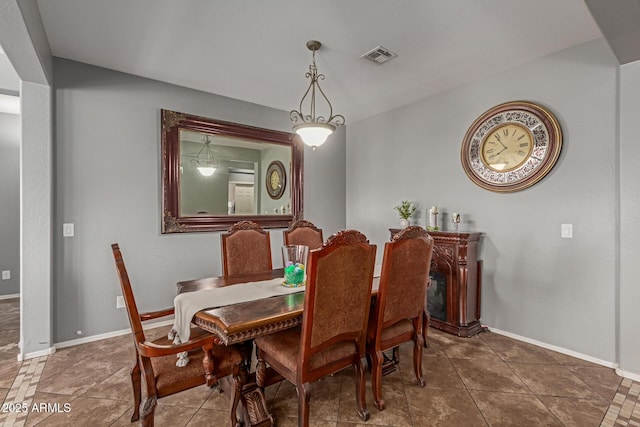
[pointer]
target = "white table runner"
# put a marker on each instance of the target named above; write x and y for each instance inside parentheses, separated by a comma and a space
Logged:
(189, 303)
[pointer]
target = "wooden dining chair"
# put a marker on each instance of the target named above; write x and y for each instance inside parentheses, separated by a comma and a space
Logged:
(400, 303)
(305, 233)
(246, 249)
(156, 360)
(334, 321)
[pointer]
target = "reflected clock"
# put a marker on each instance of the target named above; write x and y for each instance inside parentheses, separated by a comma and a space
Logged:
(276, 179)
(511, 146)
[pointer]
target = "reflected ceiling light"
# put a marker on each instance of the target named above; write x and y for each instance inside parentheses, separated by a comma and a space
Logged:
(314, 129)
(204, 161)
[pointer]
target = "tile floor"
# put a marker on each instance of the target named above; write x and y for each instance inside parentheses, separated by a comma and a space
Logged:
(486, 380)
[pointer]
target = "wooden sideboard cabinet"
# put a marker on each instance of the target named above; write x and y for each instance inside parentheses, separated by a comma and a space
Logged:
(453, 299)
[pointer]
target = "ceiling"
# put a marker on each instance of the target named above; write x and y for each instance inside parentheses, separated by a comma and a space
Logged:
(254, 50)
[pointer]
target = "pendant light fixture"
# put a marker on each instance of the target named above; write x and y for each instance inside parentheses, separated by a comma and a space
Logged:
(204, 161)
(312, 127)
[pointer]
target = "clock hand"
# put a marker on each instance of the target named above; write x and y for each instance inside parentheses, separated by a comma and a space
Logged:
(493, 156)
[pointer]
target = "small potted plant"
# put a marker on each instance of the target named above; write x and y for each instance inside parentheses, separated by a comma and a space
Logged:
(405, 209)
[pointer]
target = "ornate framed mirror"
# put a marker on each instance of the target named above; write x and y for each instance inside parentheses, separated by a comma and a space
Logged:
(217, 173)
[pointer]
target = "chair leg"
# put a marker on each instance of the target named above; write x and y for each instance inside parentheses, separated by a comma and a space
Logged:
(361, 390)
(304, 396)
(136, 383)
(376, 380)
(208, 365)
(148, 411)
(426, 321)
(417, 359)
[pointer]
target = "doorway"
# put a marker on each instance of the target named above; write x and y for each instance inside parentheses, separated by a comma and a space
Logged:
(243, 199)
(10, 126)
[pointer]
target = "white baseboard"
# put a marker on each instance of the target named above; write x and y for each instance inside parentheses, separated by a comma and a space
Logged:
(630, 375)
(92, 338)
(12, 296)
(34, 354)
(558, 349)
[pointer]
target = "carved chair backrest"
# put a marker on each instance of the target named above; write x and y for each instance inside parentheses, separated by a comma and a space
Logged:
(127, 293)
(305, 233)
(246, 249)
(338, 294)
(404, 277)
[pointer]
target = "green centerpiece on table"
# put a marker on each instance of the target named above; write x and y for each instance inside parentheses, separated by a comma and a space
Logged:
(294, 275)
(294, 258)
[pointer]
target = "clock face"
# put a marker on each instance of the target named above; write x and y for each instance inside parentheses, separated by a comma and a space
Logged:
(506, 148)
(511, 146)
(276, 179)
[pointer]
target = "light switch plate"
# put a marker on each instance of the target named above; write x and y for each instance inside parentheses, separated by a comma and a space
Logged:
(6, 274)
(566, 231)
(120, 301)
(68, 230)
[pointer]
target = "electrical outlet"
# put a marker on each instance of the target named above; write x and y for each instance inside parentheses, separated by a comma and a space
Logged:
(6, 274)
(120, 301)
(566, 231)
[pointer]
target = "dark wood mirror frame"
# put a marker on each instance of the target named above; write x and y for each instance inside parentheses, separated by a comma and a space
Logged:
(172, 222)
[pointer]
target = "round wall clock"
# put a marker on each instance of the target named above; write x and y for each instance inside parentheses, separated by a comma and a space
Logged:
(276, 179)
(511, 146)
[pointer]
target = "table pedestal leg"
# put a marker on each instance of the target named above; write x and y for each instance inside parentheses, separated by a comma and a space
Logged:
(253, 404)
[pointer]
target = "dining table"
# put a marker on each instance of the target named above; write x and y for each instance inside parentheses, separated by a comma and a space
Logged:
(244, 321)
(239, 324)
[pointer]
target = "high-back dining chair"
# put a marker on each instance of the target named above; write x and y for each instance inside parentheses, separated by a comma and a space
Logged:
(400, 302)
(334, 321)
(156, 360)
(305, 233)
(246, 248)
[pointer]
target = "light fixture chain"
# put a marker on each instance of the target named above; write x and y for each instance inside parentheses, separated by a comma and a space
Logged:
(312, 122)
(205, 159)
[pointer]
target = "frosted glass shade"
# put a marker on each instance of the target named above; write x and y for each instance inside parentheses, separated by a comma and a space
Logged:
(314, 134)
(206, 171)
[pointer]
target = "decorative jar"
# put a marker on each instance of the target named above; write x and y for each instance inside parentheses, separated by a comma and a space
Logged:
(294, 260)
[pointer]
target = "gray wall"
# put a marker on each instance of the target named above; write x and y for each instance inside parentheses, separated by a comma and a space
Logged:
(10, 202)
(629, 218)
(107, 182)
(9, 82)
(535, 284)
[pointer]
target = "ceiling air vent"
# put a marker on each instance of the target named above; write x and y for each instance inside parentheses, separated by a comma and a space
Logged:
(379, 55)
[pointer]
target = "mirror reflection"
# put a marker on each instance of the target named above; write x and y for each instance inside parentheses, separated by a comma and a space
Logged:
(216, 173)
(222, 175)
